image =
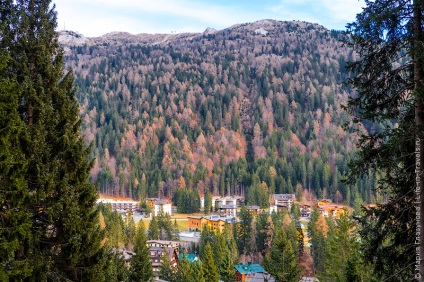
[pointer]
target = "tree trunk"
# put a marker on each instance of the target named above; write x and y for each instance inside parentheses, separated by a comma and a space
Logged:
(419, 144)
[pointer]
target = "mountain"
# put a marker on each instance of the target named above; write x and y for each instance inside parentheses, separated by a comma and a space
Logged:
(253, 109)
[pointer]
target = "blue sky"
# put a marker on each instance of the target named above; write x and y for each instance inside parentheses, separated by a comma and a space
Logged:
(97, 17)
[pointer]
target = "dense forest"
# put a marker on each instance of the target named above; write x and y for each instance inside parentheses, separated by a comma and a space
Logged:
(254, 109)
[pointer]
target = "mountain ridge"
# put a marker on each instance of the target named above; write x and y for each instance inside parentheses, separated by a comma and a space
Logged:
(73, 38)
(239, 111)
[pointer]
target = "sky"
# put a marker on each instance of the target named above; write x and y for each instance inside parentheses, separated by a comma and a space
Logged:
(97, 17)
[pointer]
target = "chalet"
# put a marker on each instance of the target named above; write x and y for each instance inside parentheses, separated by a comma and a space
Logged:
(259, 277)
(305, 210)
(163, 243)
(162, 206)
(324, 202)
(156, 254)
(332, 210)
(251, 272)
(151, 202)
(283, 201)
(228, 210)
(254, 210)
(121, 205)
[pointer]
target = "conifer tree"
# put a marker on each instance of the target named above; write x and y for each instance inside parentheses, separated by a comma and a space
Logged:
(226, 267)
(153, 229)
(243, 231)
(15, 228)
(175, 231)
(54, 189)
(281, 261)
(231, 242)
(141, 266)
(130, 229)
(207, 202)
(184, 270)
(198, 272)
(388, 75)
(210, 271)
(165, 272)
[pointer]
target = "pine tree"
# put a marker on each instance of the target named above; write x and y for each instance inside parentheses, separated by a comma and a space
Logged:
(185, 271)
(198, 275)
(60, 201)
(388, 75)
(141, 266)
(281, 261)
(210, 271)
(130, 229)
(207, 202)
(153, 229)
(165, 272)
(175, 232)
(231, 242)
(15, 228)
(243, 231)
(226, 267)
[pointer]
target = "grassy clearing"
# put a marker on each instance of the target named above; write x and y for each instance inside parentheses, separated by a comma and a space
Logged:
(182, 223)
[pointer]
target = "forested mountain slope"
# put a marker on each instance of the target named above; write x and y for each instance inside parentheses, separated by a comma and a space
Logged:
(254, 109)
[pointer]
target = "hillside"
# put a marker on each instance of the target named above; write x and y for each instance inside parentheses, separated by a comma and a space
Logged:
(252, 109)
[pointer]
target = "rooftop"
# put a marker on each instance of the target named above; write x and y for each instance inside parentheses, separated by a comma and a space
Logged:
(161, 202)
(249, 268)
(228, 207)
(284, 196)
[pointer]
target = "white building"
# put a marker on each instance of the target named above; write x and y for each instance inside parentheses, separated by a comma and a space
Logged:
(202, 202)
(273, 208)
(122, 205)
(214, 199)
(162, 205)
(283, 200)
(228, 210)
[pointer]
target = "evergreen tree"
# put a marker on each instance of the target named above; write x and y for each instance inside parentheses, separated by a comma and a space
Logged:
(175, 232)
(207, 202)
(130, 229)
(281, 261)
(51, 172)
(388, 75)
(265, 229)
(226, 267)
(15, 228)
(185, 271)
(231, 242)
(207, 236)
(165, 272)
(210, 271)
(141, 266)
(153, 229)
(243, 231)
(198, 272)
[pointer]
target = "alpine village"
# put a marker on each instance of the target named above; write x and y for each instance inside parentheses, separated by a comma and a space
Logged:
(265, 151)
